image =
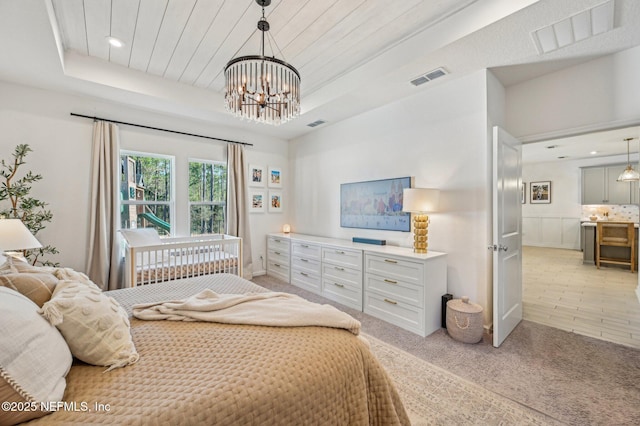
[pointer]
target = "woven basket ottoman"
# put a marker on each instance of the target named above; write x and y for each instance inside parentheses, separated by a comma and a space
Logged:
(464, 320)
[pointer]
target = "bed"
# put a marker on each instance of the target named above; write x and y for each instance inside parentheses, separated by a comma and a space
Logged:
(150, 259)
(194, 373)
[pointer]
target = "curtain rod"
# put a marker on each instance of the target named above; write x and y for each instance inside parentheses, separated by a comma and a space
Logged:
(162, 130)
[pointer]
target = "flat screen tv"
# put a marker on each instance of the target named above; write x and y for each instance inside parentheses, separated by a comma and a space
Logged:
(375, 204)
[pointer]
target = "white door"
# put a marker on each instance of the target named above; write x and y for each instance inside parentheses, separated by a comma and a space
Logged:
(507, 234)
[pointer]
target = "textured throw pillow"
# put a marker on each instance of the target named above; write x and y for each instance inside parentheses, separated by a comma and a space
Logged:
(34, 358)
(94, 325)
(22, 266)
(37, 286)
(6, 267)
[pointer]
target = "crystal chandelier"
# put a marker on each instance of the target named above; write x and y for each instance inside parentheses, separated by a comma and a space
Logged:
(260, 88)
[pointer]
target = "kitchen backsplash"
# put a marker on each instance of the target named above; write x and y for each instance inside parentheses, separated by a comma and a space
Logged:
(624, 212)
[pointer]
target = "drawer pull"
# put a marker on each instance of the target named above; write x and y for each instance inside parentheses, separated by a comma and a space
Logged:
(304, 274)
(391, 301)
(303, 260)
(277, 241)
(304, 246)
(276, 264)
(277, 252)
(339, 285)
(340, 252)
(390, 281)
(391, 261)
(338, 268)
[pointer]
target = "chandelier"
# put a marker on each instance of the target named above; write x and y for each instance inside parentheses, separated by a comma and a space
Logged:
(260, 88)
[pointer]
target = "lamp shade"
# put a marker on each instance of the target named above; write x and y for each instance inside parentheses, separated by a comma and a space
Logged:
(15, 236)
(420, 200)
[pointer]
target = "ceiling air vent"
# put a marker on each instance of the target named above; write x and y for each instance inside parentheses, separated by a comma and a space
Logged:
(431, 75)
(581, 26)
(316, 123)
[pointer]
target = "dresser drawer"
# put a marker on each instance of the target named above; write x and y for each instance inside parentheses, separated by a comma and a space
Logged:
(395, 268)
(400, 291)
(303, 249)
(306, 265)
(396, 312)
(278, 257)
(344, 275)
(342, 257)
(280, 270)
(307, 280)
(278, 244)
(342, 292)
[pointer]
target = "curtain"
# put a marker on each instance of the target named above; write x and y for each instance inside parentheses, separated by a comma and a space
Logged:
(237, 208)
(103, 262)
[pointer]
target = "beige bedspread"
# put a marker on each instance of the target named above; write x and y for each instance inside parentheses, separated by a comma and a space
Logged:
(192, 373)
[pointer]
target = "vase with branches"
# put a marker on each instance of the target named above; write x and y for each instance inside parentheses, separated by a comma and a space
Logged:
(32, 212)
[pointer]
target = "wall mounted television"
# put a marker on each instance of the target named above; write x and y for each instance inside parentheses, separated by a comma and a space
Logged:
(375, 204)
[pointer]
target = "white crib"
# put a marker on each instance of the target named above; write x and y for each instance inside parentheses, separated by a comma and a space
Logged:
(150, 259)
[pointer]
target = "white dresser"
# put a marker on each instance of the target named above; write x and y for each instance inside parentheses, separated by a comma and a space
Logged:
(342, 275)
(390, 283)
(305, 266)
(278, 257)
(405, 289)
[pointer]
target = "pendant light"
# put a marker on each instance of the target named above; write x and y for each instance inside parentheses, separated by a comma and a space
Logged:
(629, 175)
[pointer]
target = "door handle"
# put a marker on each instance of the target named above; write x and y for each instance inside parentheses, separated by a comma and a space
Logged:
(498, 247)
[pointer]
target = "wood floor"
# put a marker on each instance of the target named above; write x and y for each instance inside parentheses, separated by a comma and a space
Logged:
(559, 291)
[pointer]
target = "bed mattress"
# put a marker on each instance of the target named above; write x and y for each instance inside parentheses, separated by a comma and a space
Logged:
(192, 373)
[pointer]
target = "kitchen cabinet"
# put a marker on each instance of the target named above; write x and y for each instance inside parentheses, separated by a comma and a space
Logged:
(600, 186)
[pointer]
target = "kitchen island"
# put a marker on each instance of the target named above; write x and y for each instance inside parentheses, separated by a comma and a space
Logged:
(588, 240)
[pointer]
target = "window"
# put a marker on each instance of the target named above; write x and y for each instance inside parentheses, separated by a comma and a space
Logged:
(146, 185)
(207, 197)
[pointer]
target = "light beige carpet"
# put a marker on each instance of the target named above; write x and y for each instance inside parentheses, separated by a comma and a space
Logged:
(433, 396)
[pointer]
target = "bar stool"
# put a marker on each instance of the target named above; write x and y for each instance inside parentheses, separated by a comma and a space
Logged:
(616, 234)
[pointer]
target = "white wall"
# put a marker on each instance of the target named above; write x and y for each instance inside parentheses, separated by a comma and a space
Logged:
(62, 154)
(598, 94)
(438, 136)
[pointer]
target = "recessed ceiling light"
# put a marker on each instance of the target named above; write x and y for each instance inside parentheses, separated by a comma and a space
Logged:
(114, 41)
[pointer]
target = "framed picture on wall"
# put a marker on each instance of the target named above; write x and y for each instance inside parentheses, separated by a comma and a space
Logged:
(540, 192)
(257, 201)
(257, 175)
(275, 201)
(523, 192)
(275, 177)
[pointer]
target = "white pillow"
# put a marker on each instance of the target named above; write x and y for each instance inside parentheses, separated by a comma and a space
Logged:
(94, 325)
(141, 237)
(34, 357)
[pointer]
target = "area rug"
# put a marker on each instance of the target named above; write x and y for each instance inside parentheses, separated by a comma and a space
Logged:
(433, 396)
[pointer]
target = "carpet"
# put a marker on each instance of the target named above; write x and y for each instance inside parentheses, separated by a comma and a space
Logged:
(433, 396)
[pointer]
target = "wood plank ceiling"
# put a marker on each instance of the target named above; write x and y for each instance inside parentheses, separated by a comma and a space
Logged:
(190, 41)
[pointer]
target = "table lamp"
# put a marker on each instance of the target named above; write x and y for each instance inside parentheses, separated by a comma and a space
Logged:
(420, 201)
(15, 236)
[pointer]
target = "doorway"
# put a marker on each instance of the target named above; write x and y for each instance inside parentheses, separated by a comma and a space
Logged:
(558, 289)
